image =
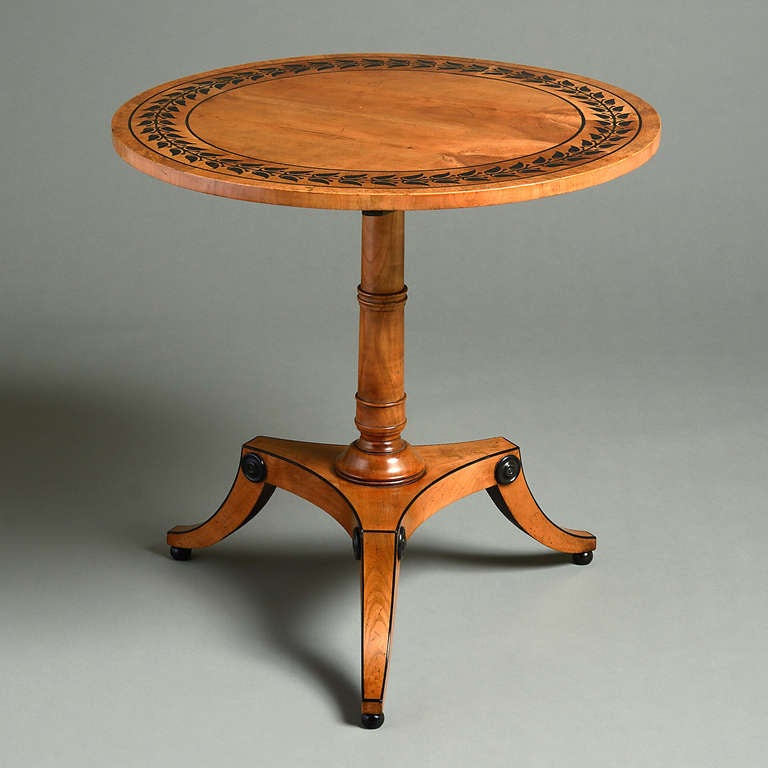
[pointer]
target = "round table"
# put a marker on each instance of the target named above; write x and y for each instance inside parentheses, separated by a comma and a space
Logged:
(383, 133)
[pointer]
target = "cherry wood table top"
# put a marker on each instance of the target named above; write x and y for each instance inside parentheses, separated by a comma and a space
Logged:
(385, 132)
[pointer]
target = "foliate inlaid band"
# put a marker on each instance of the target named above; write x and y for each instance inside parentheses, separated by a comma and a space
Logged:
(160, 124)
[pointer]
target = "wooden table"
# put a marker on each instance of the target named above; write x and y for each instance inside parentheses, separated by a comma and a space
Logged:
(383, 133)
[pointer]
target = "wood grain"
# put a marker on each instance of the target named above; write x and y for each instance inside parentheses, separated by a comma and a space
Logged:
(385, 132)
(394, 120)
(379, 572)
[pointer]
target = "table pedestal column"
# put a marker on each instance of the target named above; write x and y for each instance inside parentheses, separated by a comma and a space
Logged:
(380, 489)
(380, 456)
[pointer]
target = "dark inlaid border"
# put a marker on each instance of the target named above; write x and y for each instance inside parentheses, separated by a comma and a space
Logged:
(609, 123)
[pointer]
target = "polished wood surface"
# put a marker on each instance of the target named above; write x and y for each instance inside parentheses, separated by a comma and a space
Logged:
(379, 572)
(385, 132)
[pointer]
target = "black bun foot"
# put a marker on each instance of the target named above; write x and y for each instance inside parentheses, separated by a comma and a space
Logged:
(181, 553)
(371, 721)
(582, 558)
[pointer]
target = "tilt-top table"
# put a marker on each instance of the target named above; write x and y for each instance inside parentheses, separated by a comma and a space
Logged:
(383, 133)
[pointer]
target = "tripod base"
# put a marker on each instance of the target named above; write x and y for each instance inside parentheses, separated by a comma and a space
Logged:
(380, 519)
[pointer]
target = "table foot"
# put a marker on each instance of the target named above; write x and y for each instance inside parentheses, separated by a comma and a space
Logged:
(371, 721)
(582, 558)
(181, 553)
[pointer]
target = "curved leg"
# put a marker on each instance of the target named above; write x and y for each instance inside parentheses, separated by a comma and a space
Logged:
(515, 501)
(306, 470)
(245, 499)
(379, 569)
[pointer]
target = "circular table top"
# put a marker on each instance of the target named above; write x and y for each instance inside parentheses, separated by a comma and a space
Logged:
(385, 132)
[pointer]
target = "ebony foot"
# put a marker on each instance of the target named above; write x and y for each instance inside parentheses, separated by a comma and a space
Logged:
(181, 553)
(582, 558)
(371, 721)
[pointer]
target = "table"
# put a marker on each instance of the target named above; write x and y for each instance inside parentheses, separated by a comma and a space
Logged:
(383, 134)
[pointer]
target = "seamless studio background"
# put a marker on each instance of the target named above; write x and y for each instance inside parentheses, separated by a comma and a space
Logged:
(616, 334)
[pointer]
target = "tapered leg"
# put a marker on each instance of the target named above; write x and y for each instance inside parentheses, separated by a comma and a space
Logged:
(515, 501)
(379, 569)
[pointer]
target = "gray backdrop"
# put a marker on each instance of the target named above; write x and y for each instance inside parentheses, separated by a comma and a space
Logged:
(616, 334)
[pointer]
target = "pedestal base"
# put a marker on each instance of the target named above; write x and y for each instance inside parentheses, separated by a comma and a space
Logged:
(379, 518)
